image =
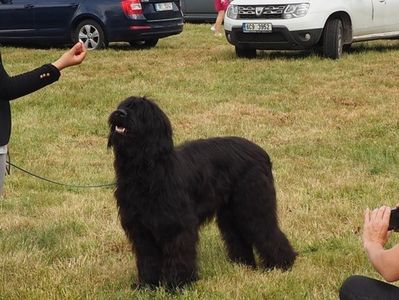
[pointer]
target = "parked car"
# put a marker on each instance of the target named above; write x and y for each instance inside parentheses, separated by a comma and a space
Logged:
(199, 10)
(94, 22)
(295, 25)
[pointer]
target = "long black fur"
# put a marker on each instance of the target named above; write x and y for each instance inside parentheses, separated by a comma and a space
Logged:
(165, 193)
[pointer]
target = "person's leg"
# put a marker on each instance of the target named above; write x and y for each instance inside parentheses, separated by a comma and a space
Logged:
(3, 163)
(361, 288)
(219, 22)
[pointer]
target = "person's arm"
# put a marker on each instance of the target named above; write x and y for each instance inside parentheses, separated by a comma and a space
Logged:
(26, 83)
(375, 236)
(73, 57)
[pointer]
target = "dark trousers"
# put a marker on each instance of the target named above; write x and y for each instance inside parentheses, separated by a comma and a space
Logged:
(363, 288)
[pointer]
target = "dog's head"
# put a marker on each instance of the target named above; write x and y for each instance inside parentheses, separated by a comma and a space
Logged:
(138, 123)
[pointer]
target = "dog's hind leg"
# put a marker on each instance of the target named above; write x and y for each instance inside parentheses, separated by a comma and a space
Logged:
(275, 250)
(254, 203)
(239, 249)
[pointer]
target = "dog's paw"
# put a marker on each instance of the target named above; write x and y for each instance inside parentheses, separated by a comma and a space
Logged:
(143, 286)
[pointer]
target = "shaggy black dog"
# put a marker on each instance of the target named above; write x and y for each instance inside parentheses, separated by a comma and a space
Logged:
(164, 194)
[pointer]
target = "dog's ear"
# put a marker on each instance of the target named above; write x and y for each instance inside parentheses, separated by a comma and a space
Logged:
(165, 132)
(157, 129)
(110, 143)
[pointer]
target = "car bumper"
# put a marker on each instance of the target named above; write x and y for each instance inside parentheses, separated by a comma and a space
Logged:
(279, 39)
(147, 30)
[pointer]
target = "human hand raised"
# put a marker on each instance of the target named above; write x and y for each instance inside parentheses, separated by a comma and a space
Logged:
(72, 57)
(376, 222)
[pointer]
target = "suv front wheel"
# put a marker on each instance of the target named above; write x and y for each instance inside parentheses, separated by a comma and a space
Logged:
(333, 39)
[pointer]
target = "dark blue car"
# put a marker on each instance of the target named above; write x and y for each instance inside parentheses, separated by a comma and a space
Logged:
(95, 22)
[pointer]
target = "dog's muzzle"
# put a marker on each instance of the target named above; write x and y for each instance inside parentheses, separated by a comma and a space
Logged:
(118, 118)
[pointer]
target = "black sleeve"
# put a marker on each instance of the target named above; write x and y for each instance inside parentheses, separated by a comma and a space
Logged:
(26, 83)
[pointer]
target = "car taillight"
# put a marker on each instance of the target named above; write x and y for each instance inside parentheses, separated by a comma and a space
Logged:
(132, 8)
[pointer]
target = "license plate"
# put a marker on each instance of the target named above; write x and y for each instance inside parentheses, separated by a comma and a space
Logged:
(256, 27)
(163, 6)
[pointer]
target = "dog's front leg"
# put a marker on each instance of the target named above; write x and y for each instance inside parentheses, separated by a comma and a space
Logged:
(148, 257)
(179, 259)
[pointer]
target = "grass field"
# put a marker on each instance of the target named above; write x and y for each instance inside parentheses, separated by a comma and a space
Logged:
(330, 127)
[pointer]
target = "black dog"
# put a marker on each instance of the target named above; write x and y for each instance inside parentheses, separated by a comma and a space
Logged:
(164, 193)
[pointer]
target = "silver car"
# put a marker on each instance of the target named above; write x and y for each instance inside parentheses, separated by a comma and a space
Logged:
(199, 10)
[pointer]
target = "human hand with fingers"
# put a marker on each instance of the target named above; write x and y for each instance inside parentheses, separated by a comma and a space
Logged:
(384, 260)
(72, 57)
(375, 236)
(376, 226)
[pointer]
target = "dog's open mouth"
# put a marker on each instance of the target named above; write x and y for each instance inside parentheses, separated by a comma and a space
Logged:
(121, 130)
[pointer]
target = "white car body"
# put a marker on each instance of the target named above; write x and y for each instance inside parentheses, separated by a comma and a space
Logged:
(361, 20)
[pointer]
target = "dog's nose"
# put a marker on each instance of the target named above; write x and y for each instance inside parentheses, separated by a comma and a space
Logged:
(122, 112)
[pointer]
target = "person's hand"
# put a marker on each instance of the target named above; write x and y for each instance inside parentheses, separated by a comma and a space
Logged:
(72, 57)
(375, 236)
(376, 222)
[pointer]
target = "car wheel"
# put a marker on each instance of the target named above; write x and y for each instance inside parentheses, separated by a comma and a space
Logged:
(144, 44)
(91, 34)
(333, 39)
(245, 52)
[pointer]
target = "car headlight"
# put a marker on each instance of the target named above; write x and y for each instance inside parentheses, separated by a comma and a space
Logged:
(296, 10)
(232, 11)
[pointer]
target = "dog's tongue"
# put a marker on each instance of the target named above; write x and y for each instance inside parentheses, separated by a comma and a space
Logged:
(120, 129)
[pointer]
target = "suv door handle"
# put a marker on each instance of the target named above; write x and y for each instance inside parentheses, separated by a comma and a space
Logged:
(28, 6)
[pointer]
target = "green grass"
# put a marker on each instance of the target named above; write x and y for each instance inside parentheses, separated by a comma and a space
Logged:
(330, 127)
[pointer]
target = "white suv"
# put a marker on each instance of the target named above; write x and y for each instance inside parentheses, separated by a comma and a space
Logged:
(293, 25)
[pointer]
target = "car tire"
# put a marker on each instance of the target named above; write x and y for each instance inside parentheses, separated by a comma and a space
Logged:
(91, 34)
(333, 39)
(243, 52)
(144, 44)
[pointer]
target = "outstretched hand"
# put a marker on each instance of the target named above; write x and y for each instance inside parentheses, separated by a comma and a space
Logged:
(72, 57)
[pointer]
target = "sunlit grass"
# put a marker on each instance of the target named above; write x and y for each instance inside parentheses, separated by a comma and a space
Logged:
(330, 127)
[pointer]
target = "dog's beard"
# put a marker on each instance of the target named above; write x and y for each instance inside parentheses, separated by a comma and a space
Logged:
(118, 130)
(116, 139)
(116, 135)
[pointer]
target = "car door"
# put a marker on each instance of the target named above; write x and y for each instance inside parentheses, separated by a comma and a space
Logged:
(16, 19)
(53, 18)
(362, 16)
(198, 10)
(382, 11)
(392, 19)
